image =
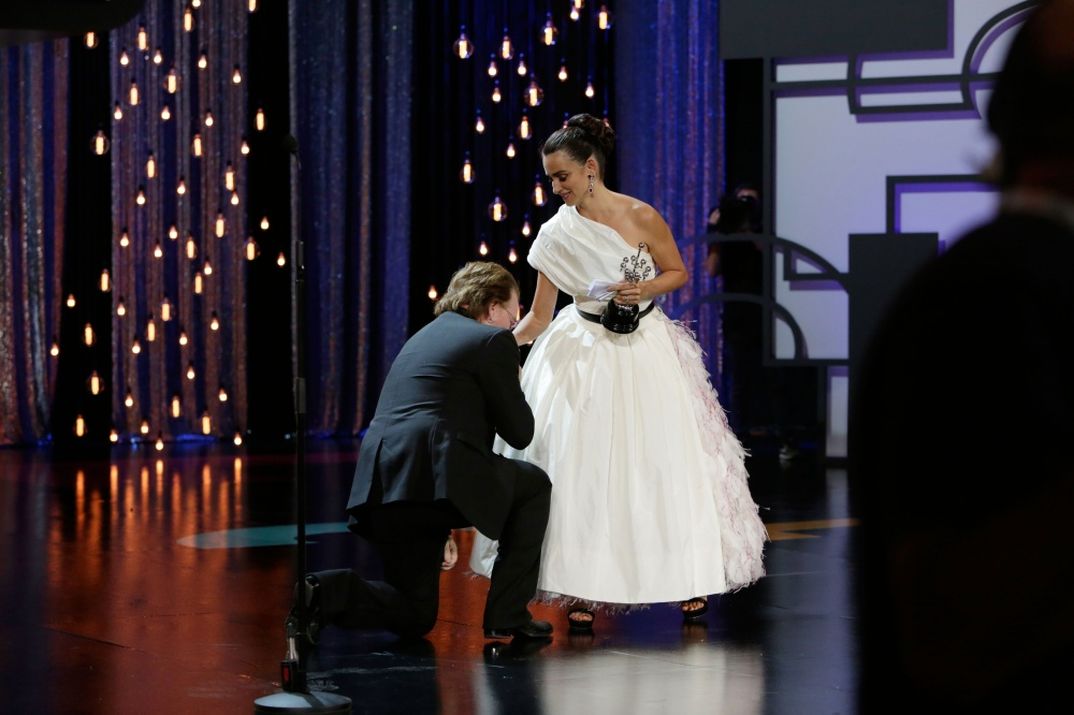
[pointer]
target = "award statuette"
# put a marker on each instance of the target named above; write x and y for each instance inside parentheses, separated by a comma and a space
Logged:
(624, 319)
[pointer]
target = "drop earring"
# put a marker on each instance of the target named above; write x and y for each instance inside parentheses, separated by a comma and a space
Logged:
(590, 184)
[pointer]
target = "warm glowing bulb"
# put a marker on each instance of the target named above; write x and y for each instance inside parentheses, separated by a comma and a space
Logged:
(534, 94)
(209, 118)
(510, 150)
(113, 437)
(512, 256)
(251, 5)
(483, 249)
(507, 50)
(117, 112)
(191, 248)
(493, 70)
(121, 308)
(143, 39)
(479, 124)
(281, 260)
(524, 127)
(183, 340)
(91, 40)
(165, 113)
(497, 210)
(466, 174)
(229, 177)
(433, 293)
(195, 144)
(236, 75)
(124, 239)
(540, 198)
(188, 20)
(604, 18)
(136, 347)
(199, 283)
(264, 223)
(214, 324)
(100, 143)
(128, 400)
(54, 351)
(237, 439)
(80, 426)
(144, 427)
(462, 48)
(177, 406)
(222, 395)
(159, 444)
(165, 309)
(106, 282)
(203, 61)
(173, 232)
(259, 119)
(208, 269)
(88, 335)
(134, 96)
(206, 423)
(562, 73)
(250, 247)
(496, 96)
(190, 373)
(124, 59)
(171, 81)
(549, 33)
(234, 200)
(574, 15)
(158, 251)
(71, 300)
(151, 330)
(140, 197)
(526, 229)
(221, 225)
(151, 166)
(522, 69)
(589, 91)
(180, 188)
(158, 57)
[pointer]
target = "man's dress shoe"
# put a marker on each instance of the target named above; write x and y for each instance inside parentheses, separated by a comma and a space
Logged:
(534, 630)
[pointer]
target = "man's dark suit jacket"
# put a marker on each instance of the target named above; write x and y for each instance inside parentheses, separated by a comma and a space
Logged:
(451, 389)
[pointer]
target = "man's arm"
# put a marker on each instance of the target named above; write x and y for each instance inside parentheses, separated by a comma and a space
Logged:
(510, 414)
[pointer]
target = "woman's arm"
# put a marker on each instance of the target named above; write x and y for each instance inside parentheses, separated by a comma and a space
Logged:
(540, 313)
(665, 255)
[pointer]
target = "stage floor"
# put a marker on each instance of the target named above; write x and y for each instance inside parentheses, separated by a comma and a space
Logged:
(159, 581)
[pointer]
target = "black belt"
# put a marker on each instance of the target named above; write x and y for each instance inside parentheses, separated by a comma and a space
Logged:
(595, 318)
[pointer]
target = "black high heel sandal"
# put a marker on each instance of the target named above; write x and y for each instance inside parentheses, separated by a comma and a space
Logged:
(691, 615)
(580, 625)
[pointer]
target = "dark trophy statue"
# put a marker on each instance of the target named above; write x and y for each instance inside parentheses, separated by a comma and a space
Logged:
(624, 319)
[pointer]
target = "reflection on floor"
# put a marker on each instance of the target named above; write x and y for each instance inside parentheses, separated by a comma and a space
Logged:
(157, 582)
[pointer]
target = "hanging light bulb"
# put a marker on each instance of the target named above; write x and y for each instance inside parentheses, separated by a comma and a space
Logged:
(151, 166)
(117, 112)
(206, 423)
(222, 395)
(244, 148)
(589, 91)
(237, 439)
(250, 248)
(177, 407)
(281, 260)
(171, 81)
(165, 113)
(512, 255)
(563, 72)
(151, 330)
(91, 40)
(522, 69)
(220, 225)
(100, 143)
(134, 96)
(136, 347)
(540, 197)
(124, 60)
(234, 198)
(229, 177)
(214, 323)
(183, 340)
(173, 232)
(549, 33)
(534, 93)
(433, 295)
(526, 229)
(524, 127)
(466, 173)
(203, 61)
(510, 152)
(195, 144)
(180, 188)
(483, 249)
(140, 196)
(124, 238)
(88, 336)
(113, 436)
(236, 75)
(159, 444)
(165, 309)
(158, 250)
(496, 96)
(190, 373)
(604, 18)
(493, 70)
(144, 427)
(507, 50)
(106, 282)
(264, 223)
(209, 118)
(199, 283)
(143, 38)
(188, 20)
(462, 48)
(158, 57)
(574, 14)
(208, 268)
(128, 399)
(121, 308)
(259, 119)
(54, 351)
(479, 123)
(71, 302)
(80, 426)
(577, 4)
(498, 209)
(251, 5)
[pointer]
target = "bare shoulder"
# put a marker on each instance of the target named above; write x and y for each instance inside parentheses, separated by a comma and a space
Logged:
(645, 218)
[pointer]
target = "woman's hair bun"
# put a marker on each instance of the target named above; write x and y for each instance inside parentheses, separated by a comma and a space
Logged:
(597, 129)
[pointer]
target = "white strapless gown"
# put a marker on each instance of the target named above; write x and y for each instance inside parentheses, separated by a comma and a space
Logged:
(650, 501)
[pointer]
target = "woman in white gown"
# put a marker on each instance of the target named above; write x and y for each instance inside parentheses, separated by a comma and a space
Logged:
(649, 500)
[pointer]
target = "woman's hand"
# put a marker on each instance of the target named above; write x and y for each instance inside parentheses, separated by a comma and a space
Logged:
(627, 293)
(451, 554)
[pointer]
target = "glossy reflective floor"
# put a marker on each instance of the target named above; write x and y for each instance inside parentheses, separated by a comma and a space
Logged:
(158, 582)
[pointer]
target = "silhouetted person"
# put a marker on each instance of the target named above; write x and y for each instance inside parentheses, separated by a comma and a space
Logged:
(963, 421)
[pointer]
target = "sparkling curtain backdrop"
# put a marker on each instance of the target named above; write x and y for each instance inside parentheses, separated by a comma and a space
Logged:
(669, 87)
(178, 160)
(33, 136)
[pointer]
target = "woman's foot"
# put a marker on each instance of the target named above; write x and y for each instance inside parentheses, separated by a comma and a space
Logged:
(580, 620)
(695, 608)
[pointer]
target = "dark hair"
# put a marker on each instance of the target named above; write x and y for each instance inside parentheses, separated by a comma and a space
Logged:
(583, 136)
(738, 214)
(475, 287)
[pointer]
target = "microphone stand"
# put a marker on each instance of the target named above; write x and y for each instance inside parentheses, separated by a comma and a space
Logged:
(296, 696)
